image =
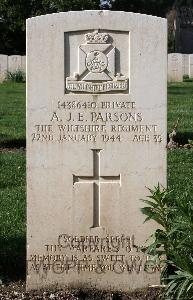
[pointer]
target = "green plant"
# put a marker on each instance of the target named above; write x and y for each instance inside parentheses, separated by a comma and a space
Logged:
(17, 76)
(158, 211)
(186, 78)
(174, 239)
(180, 284)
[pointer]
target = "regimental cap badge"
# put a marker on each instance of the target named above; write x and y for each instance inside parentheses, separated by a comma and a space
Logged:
(97, 69)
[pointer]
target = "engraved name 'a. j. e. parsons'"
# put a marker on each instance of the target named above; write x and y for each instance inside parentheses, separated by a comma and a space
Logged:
(97, 72)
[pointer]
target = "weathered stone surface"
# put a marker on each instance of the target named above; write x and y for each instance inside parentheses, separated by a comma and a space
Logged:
(175, 67)
(23, 63)
(185, 64)
(14, 63)
(191, 65)
(96, 138)
(3, 67)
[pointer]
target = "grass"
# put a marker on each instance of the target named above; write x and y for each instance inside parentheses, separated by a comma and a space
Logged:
(12, 167)
(12, 115)
(180, 171)
(180, 106)
(12, 214)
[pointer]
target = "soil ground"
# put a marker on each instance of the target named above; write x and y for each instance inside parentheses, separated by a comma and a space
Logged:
(16, 290)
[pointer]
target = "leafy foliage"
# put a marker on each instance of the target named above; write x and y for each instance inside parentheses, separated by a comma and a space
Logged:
(12, 20)
(152, 7)
(14, 13)
(174, 239)
(17, 76)
(186, 78)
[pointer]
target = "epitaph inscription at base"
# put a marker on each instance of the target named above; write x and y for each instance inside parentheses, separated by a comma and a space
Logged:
(96, 138)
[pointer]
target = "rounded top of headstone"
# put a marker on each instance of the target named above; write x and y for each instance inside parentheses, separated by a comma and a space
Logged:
(95, 16)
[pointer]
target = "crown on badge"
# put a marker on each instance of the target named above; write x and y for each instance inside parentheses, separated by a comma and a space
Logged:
(96, 37)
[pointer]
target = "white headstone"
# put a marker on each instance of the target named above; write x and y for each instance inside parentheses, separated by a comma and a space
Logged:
(185, 64)
(96, 139)
(23, 63)
(175, 67)
(14, 63)
(3, 67)
(191, 65)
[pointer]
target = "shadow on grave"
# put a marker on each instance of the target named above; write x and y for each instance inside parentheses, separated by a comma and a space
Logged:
(182, 137)
(180, 90)
(16, 143)
(12, 258)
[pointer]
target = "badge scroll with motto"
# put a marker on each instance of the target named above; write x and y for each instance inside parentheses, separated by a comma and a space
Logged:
(96, 73)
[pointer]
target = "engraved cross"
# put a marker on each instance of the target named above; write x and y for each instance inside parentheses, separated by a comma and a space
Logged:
(97, 179)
